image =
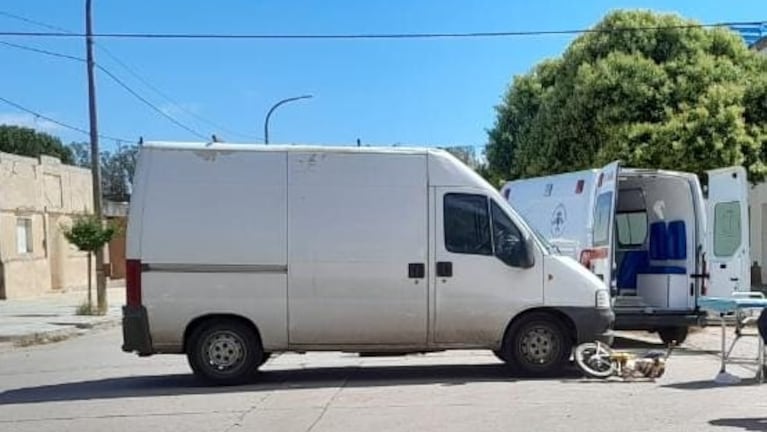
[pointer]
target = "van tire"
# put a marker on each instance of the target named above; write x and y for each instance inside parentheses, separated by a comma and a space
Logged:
(537, 345)
(231, 344)
(673, 335)
(264, 358)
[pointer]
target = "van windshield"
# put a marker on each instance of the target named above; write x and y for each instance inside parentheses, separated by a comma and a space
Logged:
(550, 248)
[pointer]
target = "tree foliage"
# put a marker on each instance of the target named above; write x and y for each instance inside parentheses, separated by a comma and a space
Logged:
(29, 142)
(679, 98)
(88, 233)
(117, 168)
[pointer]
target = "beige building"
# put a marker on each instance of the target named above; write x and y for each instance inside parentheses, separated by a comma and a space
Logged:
(37, 198)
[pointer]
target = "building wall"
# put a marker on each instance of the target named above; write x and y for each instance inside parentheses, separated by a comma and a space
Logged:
(48, 194)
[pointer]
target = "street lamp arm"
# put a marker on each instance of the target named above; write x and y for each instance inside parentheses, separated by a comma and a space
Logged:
(274, 107)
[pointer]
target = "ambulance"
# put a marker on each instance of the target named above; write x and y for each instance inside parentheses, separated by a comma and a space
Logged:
(652, 236)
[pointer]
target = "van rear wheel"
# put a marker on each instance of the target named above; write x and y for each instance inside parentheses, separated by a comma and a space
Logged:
(224, 352)
(537, 345)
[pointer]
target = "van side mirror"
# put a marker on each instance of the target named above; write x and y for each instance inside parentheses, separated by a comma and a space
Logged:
(519, 254)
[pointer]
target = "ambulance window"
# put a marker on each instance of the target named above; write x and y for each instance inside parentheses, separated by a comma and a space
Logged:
(727, 229)
(632, 228)
(601, 233)
(467, 224)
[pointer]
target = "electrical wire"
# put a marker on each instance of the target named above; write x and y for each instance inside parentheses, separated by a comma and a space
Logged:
(117, 80)
(124, 66)
(441, 35)
(57, 122)
(42, 51)
(152, 106)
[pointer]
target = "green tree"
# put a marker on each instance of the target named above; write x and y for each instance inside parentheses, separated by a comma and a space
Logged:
(29, 142)
(117, 168)
(89, 234)
(675, 97)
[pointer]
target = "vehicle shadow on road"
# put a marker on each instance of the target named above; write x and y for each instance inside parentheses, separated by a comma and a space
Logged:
(709, 383)
(327, 377)
(748, 424)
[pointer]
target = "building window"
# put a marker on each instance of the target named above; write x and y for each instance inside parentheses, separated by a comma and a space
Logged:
(24, 236)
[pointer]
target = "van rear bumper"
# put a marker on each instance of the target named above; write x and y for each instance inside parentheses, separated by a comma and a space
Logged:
(591, 324)
(136, 336)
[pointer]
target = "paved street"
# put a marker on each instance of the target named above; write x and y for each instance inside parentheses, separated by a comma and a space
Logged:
(87, 384)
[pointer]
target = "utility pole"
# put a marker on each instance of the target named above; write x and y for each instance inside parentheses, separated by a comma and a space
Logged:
(101, 282)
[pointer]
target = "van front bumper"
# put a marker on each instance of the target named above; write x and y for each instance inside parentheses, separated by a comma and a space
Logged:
(136, 336)
(591, 324)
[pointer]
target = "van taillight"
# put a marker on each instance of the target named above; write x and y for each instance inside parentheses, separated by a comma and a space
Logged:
(579, 186)
(133, 282)
(506, 193)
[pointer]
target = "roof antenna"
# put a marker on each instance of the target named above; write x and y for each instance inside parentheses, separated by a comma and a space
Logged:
(140, 141)
(215, 139)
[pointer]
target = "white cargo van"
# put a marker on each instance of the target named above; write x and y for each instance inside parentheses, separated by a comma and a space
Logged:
(649, 235)
(238, 251)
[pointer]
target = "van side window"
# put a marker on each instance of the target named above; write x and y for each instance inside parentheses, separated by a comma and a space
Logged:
(467, 224)
(631, 228)
(506, 236)
(727, 230)
(601, 233)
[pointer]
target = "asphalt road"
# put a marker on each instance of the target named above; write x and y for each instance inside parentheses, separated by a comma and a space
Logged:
(88, 384)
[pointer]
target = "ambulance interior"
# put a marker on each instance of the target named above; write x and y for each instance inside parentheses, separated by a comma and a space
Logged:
(655, 238)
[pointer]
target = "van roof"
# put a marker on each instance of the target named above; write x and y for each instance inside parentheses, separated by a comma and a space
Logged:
(201, 146)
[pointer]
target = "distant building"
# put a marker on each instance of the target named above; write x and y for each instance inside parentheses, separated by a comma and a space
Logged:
(754, 35)
(38, 197)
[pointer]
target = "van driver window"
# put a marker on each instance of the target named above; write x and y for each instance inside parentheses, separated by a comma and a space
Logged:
(467, 224)
(506, 236)
(601, 233)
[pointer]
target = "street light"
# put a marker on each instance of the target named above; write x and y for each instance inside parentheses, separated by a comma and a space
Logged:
(274, 107)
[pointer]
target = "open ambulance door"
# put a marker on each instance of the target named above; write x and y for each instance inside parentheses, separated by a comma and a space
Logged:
(600, 256)
(726, 250)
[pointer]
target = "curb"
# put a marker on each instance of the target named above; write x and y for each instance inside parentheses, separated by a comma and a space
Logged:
(68, 331)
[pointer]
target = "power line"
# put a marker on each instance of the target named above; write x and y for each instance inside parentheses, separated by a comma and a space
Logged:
(33, 22)
(42, 51)
(57, 122)
(440, 35)
(181, 107)
(117, 80)
(152, 106)
(125, 67)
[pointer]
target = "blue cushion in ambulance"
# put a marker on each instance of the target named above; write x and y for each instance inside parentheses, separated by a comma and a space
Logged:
(658, 241)
(664, 270)
(633, 262)
(677, 241)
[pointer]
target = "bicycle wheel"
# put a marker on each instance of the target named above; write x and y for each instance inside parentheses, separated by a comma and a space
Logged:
(593, 358)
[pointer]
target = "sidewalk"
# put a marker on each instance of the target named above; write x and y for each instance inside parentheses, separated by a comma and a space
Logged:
(52, 317)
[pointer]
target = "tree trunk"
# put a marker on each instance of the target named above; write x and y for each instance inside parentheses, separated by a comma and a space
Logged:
(90, 284)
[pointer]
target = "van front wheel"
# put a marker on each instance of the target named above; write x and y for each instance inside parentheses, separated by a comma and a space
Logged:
(224, 352)
(537, 345)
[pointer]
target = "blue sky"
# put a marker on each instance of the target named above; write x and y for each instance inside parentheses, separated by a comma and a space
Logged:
(407, 92)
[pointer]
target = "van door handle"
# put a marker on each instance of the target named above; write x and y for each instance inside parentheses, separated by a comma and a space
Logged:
(444, 269)
(734, 279)
(416, 270)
